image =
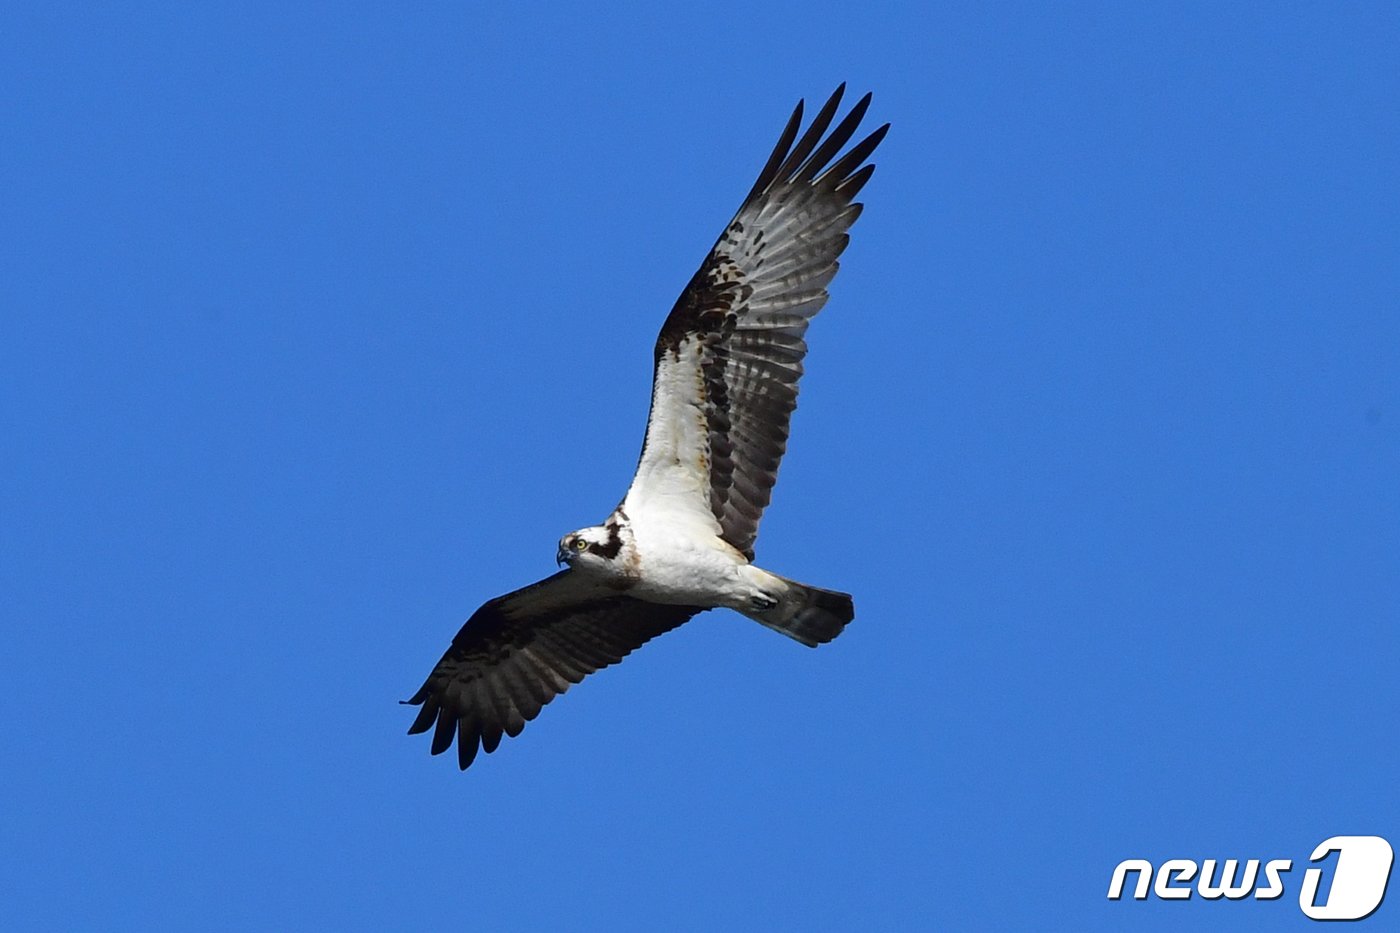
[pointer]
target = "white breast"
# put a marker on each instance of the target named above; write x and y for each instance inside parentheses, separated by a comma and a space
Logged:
(683, 561)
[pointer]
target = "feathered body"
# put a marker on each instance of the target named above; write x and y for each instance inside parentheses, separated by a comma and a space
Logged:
(727, 363)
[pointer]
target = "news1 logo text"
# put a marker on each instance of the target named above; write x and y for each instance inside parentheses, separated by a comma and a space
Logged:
(1358, 879)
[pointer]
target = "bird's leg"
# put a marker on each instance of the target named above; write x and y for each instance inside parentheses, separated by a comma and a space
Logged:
(762, 602)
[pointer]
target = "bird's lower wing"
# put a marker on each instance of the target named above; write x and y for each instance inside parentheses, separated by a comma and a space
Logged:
(519, 651)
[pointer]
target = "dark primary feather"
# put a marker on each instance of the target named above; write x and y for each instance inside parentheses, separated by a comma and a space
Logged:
(749, 305)
(519, 651)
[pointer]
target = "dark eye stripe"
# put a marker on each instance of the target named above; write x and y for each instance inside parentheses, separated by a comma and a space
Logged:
(611, 547)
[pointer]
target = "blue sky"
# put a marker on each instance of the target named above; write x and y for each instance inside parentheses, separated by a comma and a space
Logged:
(321, 326)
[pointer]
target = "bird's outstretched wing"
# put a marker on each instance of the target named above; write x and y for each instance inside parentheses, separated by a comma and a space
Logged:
(521, 650)
(730, 353)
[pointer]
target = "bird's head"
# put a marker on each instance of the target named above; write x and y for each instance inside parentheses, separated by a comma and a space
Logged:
(589, 547)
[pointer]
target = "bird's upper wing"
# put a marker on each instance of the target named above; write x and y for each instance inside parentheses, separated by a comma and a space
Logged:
(730, 353)
(521, 650)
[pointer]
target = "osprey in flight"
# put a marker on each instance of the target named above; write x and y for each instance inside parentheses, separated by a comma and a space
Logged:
(724, 388)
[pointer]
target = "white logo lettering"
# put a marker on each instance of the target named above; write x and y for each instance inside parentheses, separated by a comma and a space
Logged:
(1180, 869)
(1358, 882)
(1140, 865)
(1272, 871)
(1360, 875)
(1183, 868)
(1227, 879)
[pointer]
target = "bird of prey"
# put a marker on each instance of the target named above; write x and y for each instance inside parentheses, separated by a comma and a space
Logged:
(724, 387)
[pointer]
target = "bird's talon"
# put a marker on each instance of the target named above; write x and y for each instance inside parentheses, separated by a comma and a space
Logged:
(762, 602)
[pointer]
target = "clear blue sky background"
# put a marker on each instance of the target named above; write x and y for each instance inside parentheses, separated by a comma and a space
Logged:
(321, 325)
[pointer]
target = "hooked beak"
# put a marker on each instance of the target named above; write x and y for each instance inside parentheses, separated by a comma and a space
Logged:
(561, 557)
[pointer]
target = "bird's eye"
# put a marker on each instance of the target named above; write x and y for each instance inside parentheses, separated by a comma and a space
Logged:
(580, 544)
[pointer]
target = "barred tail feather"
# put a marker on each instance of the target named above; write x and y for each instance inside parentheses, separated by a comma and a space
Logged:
(808, 614)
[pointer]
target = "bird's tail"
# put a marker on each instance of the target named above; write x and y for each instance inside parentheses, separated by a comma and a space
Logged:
(808, 614)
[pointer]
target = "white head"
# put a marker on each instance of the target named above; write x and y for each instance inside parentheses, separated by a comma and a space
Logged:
(589, 548)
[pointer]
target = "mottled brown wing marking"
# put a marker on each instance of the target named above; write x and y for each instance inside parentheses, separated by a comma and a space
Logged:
(748, 306)
(519, 651)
